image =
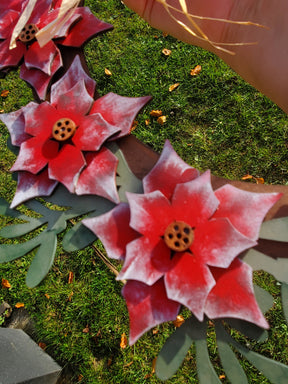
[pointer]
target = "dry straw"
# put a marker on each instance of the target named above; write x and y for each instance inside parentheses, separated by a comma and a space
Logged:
(193, 28)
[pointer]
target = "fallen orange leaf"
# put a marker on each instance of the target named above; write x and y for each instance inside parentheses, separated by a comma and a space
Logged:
(69, 298)
(222, 377)
(166, 52)
(108, 72)
(42, 346)
(259, 180)
(153, 369)
(155, 331)
(19, 305)
(147, 122)
(71, 277)
(86, 329)
(5, 284)
(47, 296)
(134, 125)
(195, 71)
(173, 86)
(156, 113)
(1, 110)
(179, 321)
(4, 93)
(161, 120)
(124, 341)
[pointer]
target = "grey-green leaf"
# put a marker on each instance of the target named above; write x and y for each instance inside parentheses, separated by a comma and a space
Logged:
(284, 297)
(173, 352)
(42, 260)
(78, 237)
(258, 261)
(230, 363)
(17, 230)
(276, 229)
(11, 252)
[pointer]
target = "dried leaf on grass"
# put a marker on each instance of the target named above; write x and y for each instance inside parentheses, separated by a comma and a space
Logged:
(124, 341)
(161, 120)
(195, 71)
(156, 113)
(5, 284)
(4, 93)
(19, 305)
(153, 369)
(259, 180)
(179, 321)
(173, 86)
(70, 277)
(166, 52)
(107, 72)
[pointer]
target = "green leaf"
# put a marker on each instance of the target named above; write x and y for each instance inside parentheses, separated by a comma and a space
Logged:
(258, 261)
(205, 370)
(276, 229)
(284, 297)
(230, 363)
(14, 251)
(276, 372)
(78, 237)
(173, 352)
(264, 299)
(17, 230)
(126, 180)
(43, 259)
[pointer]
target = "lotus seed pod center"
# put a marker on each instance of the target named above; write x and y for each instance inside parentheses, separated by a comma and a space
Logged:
(63, 129)
(179, 236)
(28, 33)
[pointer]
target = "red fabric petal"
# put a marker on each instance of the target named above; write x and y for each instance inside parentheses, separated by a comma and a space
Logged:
(150, 213)
(66, 166)
(8, 20)
(10, 57)
(119, 111)
(194, 202)
(169, 171)
(113, 230)
(145, 260)
(16, 5)
(30, 186)
(39, 119)
(189, 282)
(77, 100)
(233, 295)
(148, 306)
(34, 155)
(38, 79)
(99, 177)
(84, 29)
(93, 132)
(74, 74)
(15, 124)
(40, 11)
(245, 210)
(41, 58)
(217, 243)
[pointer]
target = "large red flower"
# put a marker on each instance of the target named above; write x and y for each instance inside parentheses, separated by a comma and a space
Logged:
(62, 141)
(180, 241)
(41, 63)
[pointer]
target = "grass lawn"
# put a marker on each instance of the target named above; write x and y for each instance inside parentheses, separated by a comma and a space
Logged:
(214, 120)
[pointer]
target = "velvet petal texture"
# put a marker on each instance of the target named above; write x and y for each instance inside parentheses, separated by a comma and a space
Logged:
(79, 161)
(206, 276)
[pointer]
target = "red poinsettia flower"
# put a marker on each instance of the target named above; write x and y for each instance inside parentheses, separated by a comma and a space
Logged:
(180, 241)
(62, 141)
(41, 63)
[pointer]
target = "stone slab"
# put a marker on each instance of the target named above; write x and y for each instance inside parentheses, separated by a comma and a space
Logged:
(23, 361)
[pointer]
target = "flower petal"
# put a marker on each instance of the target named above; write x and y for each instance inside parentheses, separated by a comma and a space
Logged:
(85, 28)
(140, 264)
(34, 155)
(119, 111)
(217, 243)
(41, 58)
(93, 132)
(10, 57)
(169, 171)
(8, 20)
(39, 119)
(77, 100)
(233, 295)
(195, 201)
(38, 79)
(99, 177)
(150, 213)
(245, 210)
(113, 230)
(66, 166)
(189, 283)
(148, 306)
(40, 10)
(30, 186)
(16, 125)
(74, 74)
